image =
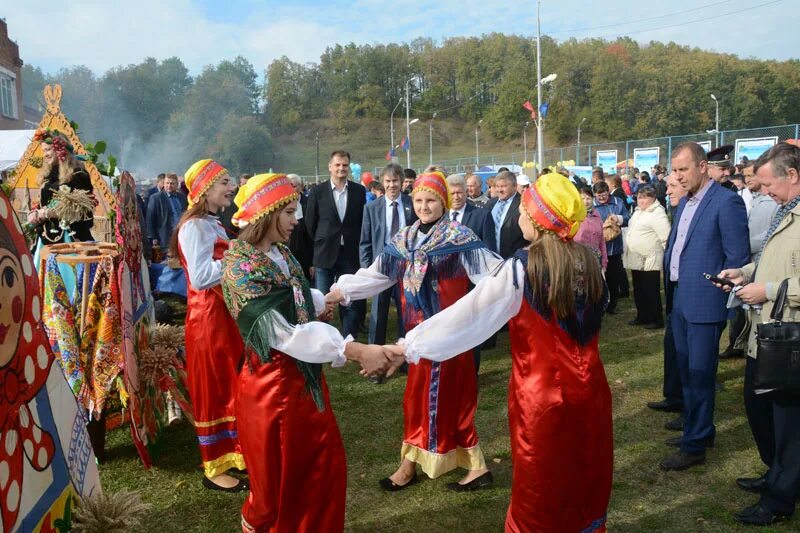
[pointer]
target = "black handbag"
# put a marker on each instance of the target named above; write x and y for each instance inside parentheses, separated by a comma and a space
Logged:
(778, 361)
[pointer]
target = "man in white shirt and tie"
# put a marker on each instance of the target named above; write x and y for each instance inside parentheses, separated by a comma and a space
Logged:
(478, 219)
(382, 219)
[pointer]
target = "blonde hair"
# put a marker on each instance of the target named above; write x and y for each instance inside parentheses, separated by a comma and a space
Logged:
(66, 169)
(559, 271)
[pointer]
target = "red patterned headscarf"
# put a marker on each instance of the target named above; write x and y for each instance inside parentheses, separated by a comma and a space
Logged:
(435, 183)
(261, 195)
(201, 176)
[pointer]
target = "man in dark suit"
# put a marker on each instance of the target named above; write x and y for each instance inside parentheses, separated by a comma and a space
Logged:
(333, 220)
(164, 210)
(709, 234)
(477, 219)
(384, 217)
(157, 188)
(300, 243)
(505, 215)
(480, 221)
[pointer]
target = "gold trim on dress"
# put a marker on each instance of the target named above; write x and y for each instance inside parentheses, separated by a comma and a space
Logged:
(436, 464)
(214, 422)
(224, 463)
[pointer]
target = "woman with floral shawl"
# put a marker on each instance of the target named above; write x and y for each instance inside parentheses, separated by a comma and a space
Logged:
(433, 260)
(287, 430)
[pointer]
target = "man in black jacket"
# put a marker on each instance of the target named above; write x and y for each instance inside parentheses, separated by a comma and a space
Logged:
(333, 220)
(300, 243)
(505, 214)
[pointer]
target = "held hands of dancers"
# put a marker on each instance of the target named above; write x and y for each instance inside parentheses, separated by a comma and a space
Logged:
(327, 314)
(335, 296)
(375, 360)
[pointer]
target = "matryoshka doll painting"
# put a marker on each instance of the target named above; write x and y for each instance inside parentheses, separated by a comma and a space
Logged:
(46, 460)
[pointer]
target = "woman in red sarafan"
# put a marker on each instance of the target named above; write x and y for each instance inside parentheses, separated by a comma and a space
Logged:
(558, 397)
(287, 429)
(432, 261)
(213, 344)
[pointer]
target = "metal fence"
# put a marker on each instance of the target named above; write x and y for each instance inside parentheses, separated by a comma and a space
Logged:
(586, 154)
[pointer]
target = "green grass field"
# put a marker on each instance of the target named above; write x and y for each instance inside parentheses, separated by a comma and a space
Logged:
(644, 499)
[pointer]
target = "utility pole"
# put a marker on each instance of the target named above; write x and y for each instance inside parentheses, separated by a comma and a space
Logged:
(408, 125)
(477, 145)
(430, 139)
(578, 146)
(316, 170)
(525, 142)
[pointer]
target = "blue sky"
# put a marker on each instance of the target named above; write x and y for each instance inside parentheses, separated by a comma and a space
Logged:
(106, 33)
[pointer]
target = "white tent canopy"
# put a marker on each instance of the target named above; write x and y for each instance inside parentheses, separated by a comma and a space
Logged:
(13, 144)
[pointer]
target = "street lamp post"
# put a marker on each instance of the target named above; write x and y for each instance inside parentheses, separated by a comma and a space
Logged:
(391, 127)
(578, 145)
(539, 125)
(716, 117)
(525, 142)
(477, 145)
(408, 125)
(430, 139)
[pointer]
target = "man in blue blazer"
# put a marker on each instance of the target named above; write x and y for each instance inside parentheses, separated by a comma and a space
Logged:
(709, 234)
(383, 217)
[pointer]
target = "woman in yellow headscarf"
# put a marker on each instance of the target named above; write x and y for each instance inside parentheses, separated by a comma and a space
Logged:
(213, 344)
(559, 403)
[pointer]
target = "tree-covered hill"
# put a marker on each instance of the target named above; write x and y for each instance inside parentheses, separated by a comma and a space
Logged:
(155, 116)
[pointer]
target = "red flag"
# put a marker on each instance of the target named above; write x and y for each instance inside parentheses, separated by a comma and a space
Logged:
(529, 106)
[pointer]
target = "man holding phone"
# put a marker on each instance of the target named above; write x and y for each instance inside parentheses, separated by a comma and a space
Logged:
(709, 234)
(774, 416)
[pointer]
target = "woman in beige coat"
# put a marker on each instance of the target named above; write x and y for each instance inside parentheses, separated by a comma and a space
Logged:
(648, 232)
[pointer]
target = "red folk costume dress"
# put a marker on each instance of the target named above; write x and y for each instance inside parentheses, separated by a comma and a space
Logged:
(440, 399)
(213, 346)
(559, 402)
(288, 432)
(289, 435)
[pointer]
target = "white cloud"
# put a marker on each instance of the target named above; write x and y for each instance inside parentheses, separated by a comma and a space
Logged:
(103, 34)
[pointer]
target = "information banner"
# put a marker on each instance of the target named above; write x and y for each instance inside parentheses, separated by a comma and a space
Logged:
(646, 158)
(753, 148)
(607, 160)
(706, 145)
(584, 172)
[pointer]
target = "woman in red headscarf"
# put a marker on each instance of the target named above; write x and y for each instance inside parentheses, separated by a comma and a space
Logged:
(213, 344)
(433, 261)
(559, 403)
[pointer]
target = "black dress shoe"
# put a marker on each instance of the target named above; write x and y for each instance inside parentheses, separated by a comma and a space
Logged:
(390, 486)
(676, 442)
(654, 325)
(481, 482)
(611, 310)
(666, 406)
(635, 322)
(752, 484)
(759, 515)
(239, 487)
(731, 353)
(675, 424)
(681, 461)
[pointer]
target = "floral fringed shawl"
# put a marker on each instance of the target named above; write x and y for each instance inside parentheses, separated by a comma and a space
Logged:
(253, 285)
(438, 256)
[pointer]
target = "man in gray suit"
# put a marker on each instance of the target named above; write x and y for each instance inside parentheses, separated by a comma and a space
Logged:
(383, 218)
